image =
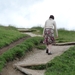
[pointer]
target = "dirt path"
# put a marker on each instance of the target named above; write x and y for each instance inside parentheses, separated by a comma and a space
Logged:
(31, 34)
(2, 50)
(40, 57)
(34, 57)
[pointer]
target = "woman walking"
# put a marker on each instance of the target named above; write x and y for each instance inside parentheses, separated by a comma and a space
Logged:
(48, 33)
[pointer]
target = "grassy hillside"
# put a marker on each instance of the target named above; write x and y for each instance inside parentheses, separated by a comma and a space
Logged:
(62, 65)
(63, 35)
(66, 36)
(18, 51)
(9, 35)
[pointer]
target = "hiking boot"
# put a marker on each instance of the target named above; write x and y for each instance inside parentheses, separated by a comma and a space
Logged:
(46, 50)
(50, 53)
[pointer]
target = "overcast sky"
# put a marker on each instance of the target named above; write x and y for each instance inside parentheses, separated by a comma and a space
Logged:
(29, 13)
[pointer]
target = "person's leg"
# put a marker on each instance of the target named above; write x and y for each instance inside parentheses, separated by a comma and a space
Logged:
(49, 49)
(46, 48)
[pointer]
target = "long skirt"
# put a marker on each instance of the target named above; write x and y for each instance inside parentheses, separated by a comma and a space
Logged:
(49, 36)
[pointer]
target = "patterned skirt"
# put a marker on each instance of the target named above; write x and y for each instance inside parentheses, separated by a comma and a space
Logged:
(49, 36)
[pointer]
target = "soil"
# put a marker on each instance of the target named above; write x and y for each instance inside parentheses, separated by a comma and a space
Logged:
(10, 70)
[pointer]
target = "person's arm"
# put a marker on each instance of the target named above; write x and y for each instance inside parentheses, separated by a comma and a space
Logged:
(55, 28)
(44, 29)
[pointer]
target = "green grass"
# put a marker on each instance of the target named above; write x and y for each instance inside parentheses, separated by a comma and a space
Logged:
(66, 36)
(18, 51)
(8, 35)
(37, 67)
(63, 34)
(37, 30)
(62, 65)
(41, 47)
